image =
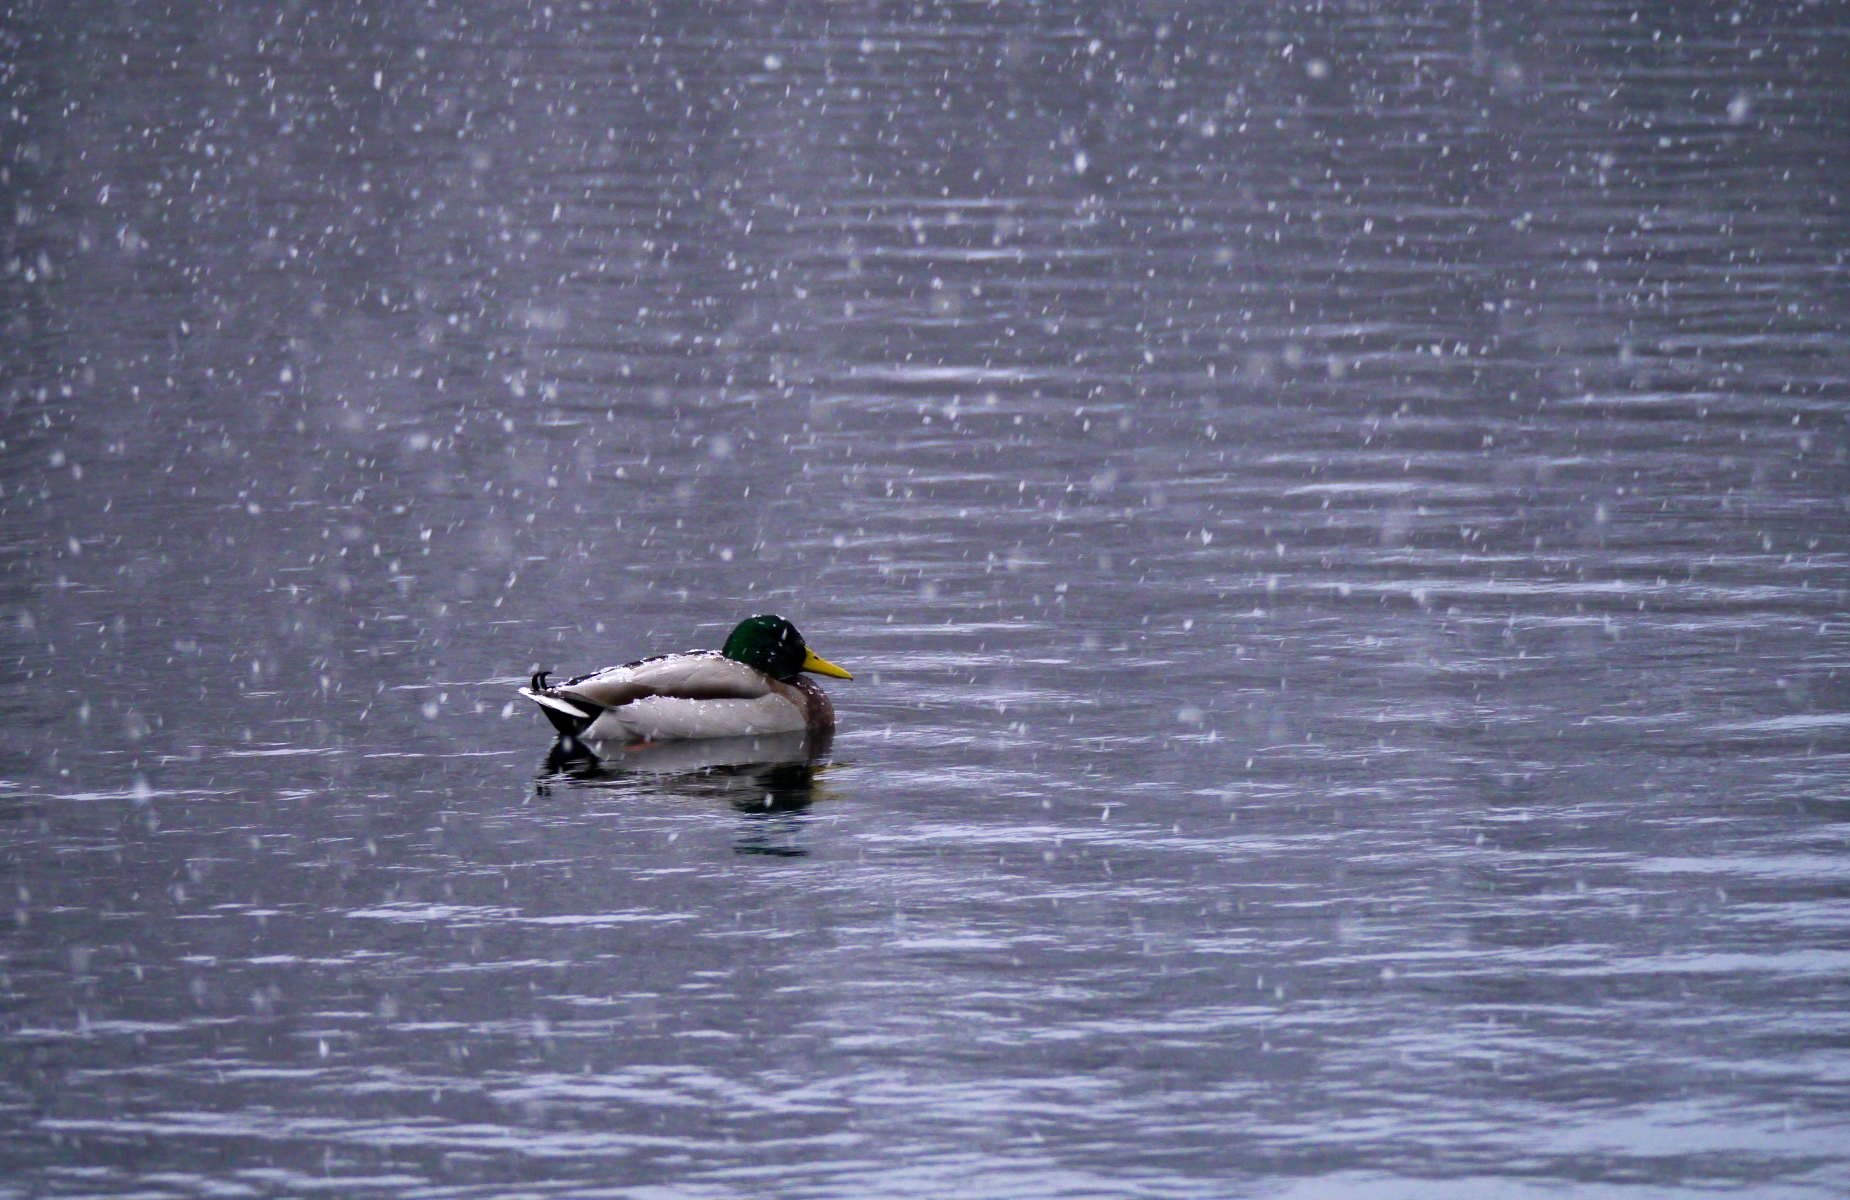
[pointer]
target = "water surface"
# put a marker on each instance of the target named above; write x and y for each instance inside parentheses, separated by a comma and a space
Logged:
(1337, 516)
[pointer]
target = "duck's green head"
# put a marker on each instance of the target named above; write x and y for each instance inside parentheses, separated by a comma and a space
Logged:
(773, 645)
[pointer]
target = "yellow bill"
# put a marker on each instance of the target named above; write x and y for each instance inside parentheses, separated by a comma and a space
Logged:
(821, 666)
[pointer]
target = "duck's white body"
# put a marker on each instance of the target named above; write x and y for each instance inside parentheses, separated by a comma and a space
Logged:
(700, 694)
(681, 757)
(659, 718)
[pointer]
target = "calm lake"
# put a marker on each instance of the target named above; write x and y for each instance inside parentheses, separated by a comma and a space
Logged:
(1337, 514)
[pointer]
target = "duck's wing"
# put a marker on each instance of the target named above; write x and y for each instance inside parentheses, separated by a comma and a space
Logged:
(575, 705)
(701, 675)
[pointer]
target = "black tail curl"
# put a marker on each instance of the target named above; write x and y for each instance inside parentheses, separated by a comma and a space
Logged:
(568, 725)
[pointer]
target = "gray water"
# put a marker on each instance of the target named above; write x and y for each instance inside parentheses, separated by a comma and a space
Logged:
(1337, 514)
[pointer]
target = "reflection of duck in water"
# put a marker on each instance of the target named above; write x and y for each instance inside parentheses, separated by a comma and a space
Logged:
(662, 762)
(770, 781)
(751, 687)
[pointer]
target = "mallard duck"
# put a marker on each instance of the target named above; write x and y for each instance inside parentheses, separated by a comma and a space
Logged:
(751, 685)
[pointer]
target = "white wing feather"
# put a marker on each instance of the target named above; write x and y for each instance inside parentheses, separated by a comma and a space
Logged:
(698, 676)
